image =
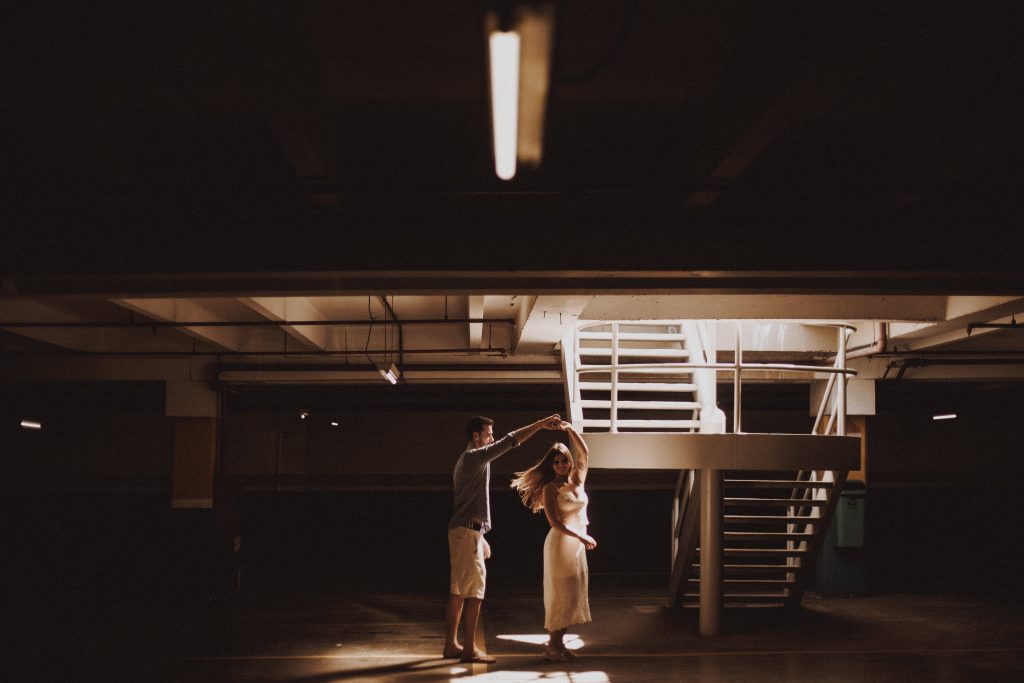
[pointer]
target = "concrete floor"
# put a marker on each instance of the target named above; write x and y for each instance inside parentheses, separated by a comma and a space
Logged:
(390, 637)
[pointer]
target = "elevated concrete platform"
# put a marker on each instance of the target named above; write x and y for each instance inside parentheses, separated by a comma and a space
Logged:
(677, 451)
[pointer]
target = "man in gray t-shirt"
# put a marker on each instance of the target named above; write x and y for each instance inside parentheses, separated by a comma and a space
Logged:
(470, 520)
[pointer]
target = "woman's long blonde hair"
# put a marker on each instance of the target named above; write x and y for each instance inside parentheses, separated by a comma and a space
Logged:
(529, 483)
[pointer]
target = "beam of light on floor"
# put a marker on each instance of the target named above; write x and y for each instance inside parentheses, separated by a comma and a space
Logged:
(544, 676)
(572, 640)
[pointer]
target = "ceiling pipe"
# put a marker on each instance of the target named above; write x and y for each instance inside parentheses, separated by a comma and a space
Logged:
(1012, 325)
(490, 350)
(218, 368)
(902, 363)
(254, 323)
(876, 347)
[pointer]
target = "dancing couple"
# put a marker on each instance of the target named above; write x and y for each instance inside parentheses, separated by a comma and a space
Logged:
(555, 485)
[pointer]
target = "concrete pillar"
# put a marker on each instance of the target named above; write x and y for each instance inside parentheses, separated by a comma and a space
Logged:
(858, 424)
(710, 552)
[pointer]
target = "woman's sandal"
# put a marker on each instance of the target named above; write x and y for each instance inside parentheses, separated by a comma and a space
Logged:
(554, 655)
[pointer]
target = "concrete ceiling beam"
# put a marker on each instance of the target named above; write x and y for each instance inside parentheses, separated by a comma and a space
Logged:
(293, 308)
(195, 310)
(549, 318)
(961, 312)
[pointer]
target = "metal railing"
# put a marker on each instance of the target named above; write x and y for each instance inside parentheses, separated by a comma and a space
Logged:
(835, 390)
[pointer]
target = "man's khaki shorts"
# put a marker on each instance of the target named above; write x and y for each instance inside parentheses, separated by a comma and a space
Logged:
(466, 552)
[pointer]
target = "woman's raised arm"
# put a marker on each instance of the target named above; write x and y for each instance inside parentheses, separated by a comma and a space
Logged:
(580, 453)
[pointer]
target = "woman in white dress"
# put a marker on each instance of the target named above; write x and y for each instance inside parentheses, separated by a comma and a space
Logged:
(555, 485)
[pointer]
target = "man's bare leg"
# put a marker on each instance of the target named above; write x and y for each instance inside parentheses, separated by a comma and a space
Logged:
(453, 614)
(471, 615)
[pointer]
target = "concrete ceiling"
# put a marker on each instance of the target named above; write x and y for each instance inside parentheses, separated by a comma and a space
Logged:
(287, 165)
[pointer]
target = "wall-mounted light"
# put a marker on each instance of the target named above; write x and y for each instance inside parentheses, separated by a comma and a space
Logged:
(31, 424)
(944, 416)
(519, 41)
(303, 414)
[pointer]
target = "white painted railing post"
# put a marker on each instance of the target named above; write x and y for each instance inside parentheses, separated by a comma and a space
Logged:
(841, 361)
(571, 361)
(737, 393)
(614, 409)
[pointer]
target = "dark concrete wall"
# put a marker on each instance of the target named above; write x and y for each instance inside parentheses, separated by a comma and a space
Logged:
(943, 497)
(87, 519)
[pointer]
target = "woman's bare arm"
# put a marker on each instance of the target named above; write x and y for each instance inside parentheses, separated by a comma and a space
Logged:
(581, 453)
(550, 495)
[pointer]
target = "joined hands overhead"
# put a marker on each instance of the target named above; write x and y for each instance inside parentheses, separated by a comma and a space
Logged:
(554, 422)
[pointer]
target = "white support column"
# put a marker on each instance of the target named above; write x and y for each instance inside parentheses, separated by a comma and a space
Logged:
(710, 552)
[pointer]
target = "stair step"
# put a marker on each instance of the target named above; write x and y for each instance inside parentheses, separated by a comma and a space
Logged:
(753, 568)
(639, 386)
(774, 604)
(644, 424)
(767, 535)
(635, 336)
(635, 353)
(751, 583)
(771, 519)
(642, 405)
(780, 597)
(778, 483)
(763, 552)
(767, 502)
(665, 369)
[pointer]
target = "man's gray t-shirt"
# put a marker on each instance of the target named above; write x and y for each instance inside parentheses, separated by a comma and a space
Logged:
(472, 479)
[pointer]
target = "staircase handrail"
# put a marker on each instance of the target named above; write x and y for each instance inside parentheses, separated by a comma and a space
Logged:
(572, 384)
(835, 390)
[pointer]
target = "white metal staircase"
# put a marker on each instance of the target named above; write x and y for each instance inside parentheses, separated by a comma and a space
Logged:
(774, 523)
(636, 376)
(660, 376)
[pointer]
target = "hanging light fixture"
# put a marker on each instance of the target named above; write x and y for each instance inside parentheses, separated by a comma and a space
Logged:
(391, 374)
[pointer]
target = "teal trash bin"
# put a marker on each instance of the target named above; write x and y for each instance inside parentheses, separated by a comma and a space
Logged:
(850, 517)
(841, 563)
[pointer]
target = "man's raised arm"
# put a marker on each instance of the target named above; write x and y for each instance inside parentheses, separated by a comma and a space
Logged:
(524, 433)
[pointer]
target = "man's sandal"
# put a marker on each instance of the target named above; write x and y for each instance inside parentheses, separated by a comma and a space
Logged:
(478, 659)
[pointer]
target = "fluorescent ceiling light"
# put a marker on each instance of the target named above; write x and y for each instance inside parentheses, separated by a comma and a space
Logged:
(520, 43)
(947, 416)
(31, 424)
(504, 55)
